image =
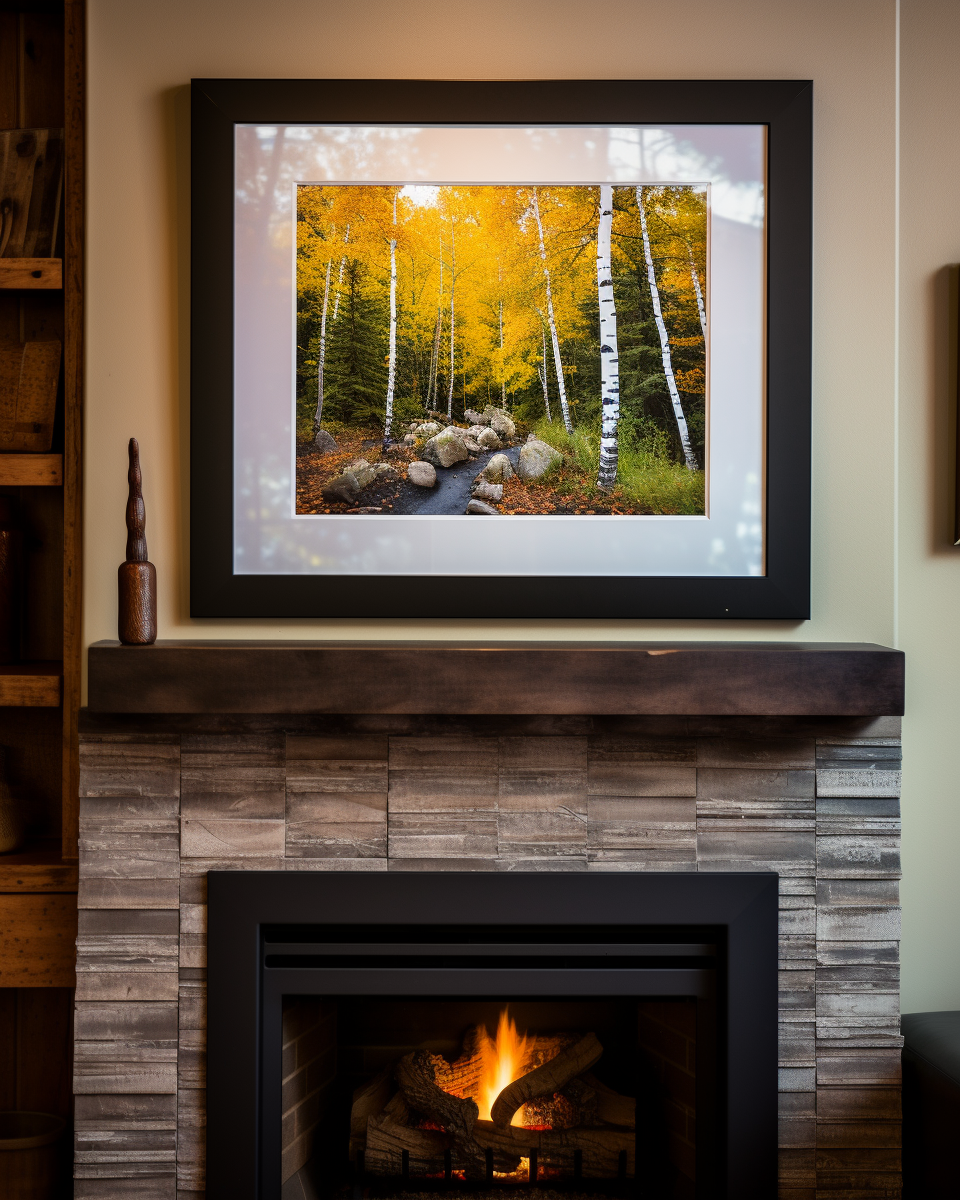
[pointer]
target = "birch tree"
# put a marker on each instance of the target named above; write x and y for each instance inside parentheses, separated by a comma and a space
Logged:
(453, 286)
(696, 287)
(392, 368)
(543, 373)
(561, 387)
(343, 263)
(503, 377)
(434, 362)
(321, 357)
(688, 454)
(609, 357)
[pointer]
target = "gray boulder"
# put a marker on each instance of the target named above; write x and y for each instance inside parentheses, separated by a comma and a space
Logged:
(427, 429)
(384, 472)
(422, 474)
(471, 445)
(409, 439)
(361, 471)
(325, 442)
(536, 458)
(487, 491)
(445, 448)
(344, 489)
(500, 423)
(477, 508)
(488, 440)
(474, 418)
(497, 470)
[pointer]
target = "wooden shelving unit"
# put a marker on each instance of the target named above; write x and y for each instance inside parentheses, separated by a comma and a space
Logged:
(42, 51)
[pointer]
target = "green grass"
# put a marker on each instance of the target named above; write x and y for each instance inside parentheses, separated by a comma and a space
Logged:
(647, 479)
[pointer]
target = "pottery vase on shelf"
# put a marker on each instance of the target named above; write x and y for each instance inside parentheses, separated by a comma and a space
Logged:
(10, 556)
(11, 819)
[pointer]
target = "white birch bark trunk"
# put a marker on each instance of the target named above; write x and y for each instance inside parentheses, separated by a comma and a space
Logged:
(318, 415)
(688, 454)
(609, 356)
(453, 286)
(434, 362)
(438, 333)
(696, 287)
(503, 382)
(561, 387)
(343, 263)
(392, 368)
(543, 375)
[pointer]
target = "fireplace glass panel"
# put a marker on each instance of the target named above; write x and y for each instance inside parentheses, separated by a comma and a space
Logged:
(582, 1097)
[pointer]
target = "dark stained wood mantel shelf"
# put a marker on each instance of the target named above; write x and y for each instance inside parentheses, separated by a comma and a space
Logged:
(438, 677)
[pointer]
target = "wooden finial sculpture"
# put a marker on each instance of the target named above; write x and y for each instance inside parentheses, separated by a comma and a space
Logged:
(137, 577)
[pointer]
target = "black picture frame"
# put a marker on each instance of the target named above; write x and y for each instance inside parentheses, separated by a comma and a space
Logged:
(783, 106)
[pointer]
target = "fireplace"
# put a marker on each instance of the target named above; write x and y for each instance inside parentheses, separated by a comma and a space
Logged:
(664, 772)
(599, 1036)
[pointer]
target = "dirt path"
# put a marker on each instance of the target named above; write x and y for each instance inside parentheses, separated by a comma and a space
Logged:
(452, 492)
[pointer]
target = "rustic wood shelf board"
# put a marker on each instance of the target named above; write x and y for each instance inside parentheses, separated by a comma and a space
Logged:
(638, 678)
(38, 935)
(31, 685)
(31, 272)
(37, 868)
(31, 470)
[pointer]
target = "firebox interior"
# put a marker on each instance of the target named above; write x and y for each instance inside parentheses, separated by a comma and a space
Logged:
(624, 1126)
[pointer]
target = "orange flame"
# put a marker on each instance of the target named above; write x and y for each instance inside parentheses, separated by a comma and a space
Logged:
(504, 1060)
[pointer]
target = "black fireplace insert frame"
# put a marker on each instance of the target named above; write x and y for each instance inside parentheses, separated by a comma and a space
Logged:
(273, 933)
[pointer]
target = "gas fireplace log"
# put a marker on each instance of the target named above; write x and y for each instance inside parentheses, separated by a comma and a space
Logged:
(368, 1101)
(387, 1138)
(598, 1104)
(611, 1106)
(545, 1080)
(600, 1148)
(416, 1076)
(462, 1078)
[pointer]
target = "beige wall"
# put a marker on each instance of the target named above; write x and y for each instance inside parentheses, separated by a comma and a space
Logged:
(929, 566)
(143, 53)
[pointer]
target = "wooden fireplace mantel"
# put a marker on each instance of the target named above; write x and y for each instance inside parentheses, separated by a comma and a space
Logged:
(592, 678)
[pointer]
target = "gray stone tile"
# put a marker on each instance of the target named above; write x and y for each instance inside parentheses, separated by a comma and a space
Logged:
(130, 856)
(851, 857)
(763, 752)
(443, 835)
(532, 834)
(787, 853)
(543, 774)
(335, 864)
(847, 922)
(650, 823)
(128, 893)
(246, 839)
(738, 784)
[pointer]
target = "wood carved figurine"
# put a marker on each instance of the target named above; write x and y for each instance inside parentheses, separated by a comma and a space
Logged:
(137, 618)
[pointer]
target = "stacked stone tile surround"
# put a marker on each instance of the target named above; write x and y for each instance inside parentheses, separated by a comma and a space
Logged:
(164, 800)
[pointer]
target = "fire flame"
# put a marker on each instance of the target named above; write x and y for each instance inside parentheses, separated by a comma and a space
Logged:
(504, 1060)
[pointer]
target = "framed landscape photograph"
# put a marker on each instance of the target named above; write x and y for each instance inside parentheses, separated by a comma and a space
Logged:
(534, 349)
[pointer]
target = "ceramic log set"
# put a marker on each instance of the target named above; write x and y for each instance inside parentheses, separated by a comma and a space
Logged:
(137, 578)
